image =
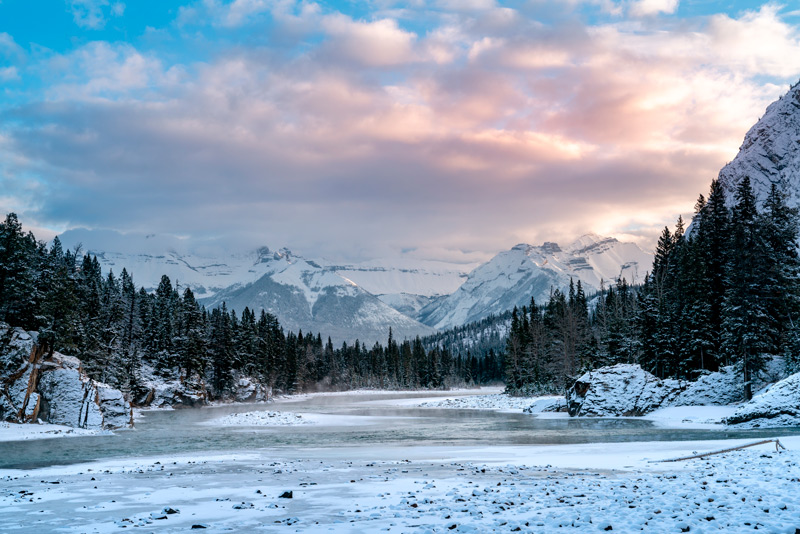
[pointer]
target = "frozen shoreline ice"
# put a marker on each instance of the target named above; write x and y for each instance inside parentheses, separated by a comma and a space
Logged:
(419, 489)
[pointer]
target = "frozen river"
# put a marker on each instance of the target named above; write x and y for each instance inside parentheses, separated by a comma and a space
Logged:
(381, 463)
(346, 422)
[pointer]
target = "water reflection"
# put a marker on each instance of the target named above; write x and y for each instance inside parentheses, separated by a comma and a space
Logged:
(177, 432)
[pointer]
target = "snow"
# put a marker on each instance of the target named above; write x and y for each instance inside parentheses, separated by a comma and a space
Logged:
(778, 406)
(431, 489)
(622, 389)
(19, 432)
(512, 277)
(272, 418)
(497, 402)
(260, 419)
(690, 416)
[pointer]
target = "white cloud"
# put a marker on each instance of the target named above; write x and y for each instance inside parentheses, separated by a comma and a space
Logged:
(759, 42)
(9, 48)
(8, 74)
(647, 8)
(93, 14)
(378, 43)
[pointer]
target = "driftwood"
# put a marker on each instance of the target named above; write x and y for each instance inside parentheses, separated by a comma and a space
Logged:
(703, 455)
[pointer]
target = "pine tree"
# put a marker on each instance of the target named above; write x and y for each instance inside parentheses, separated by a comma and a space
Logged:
(747, 321)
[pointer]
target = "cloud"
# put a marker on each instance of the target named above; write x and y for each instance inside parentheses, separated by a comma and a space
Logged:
(93, 14)
(8, 74)
(381, 43)
(647, 8)
(103, 70)
(368, 136)
(9, 49)
(759, 42)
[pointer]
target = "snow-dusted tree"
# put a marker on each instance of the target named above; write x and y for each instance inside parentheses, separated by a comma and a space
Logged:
(748, 325)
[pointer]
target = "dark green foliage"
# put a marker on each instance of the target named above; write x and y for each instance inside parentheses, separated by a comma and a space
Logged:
(120, 332)
(727, 295)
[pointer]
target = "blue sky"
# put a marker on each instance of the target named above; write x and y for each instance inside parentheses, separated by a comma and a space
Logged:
(446, 129)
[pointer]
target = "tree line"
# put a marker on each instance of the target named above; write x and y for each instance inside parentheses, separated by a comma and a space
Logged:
(125, 335)
(728, 293)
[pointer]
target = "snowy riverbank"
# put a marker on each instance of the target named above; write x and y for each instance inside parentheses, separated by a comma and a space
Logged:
(20, 432)
(425, 489)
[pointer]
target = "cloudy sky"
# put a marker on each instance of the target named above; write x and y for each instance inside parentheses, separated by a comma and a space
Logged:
(351, 130)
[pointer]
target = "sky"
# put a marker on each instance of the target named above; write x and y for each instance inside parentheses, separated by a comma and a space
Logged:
(448, 129)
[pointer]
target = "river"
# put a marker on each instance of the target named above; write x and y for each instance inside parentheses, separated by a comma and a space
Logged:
(378, 420)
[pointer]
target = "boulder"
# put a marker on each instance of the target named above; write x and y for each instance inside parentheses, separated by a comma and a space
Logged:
(251, 390)
(622, 389)
(778, 406)
(178, 391)
(547, 404)
(713, 389)
(53, 388)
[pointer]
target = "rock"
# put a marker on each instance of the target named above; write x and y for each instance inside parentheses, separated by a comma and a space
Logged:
(169, 511)
(777, 406)
(286, 495)
(713, 389)
(199, 526)
(162, 392)
(622, 389)
(547, 404)
(70, 399)
(53, 388)
(251, 390)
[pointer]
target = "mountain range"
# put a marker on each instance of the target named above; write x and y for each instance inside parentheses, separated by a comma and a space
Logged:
(363, 300)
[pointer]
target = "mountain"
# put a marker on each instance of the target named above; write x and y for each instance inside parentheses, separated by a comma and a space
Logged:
(405, 284)
(770, 152)
(205, 267)
(304, 294)
(361, 300)
(512, 277)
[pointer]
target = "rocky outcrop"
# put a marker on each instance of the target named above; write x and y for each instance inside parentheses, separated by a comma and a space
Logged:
(777, 406)
(620, 390)
(181, 391)
(163, 392)
(251, 390)
(713, 389)
(547, 405)
(53, 387)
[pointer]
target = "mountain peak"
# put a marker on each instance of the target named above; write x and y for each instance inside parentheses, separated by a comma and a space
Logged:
(770, 152)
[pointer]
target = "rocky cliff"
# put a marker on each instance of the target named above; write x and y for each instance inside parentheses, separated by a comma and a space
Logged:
(35, 385)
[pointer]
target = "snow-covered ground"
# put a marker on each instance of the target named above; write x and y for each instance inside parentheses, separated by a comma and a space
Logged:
(262, 418)
(498, 402)
(582, 488)
(16, 432)
(672, 417)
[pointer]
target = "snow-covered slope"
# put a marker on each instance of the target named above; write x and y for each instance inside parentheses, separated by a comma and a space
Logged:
(305, 296)
(512, 277)
(205, 267)
(770, 152)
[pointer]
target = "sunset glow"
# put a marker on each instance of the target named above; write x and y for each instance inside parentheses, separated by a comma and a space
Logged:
(448, 129)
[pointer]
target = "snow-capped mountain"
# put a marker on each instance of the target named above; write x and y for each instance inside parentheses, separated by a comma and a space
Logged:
(303, 294)
(512, 277)
(206, 267)
(361, 300)
(405, 284)
(306, 296)
(770, 152)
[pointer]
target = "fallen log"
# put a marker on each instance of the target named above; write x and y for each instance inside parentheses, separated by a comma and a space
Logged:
(703, 455)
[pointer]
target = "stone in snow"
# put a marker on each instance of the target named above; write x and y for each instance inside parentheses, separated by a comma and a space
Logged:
(53, 388)
(777, 406)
